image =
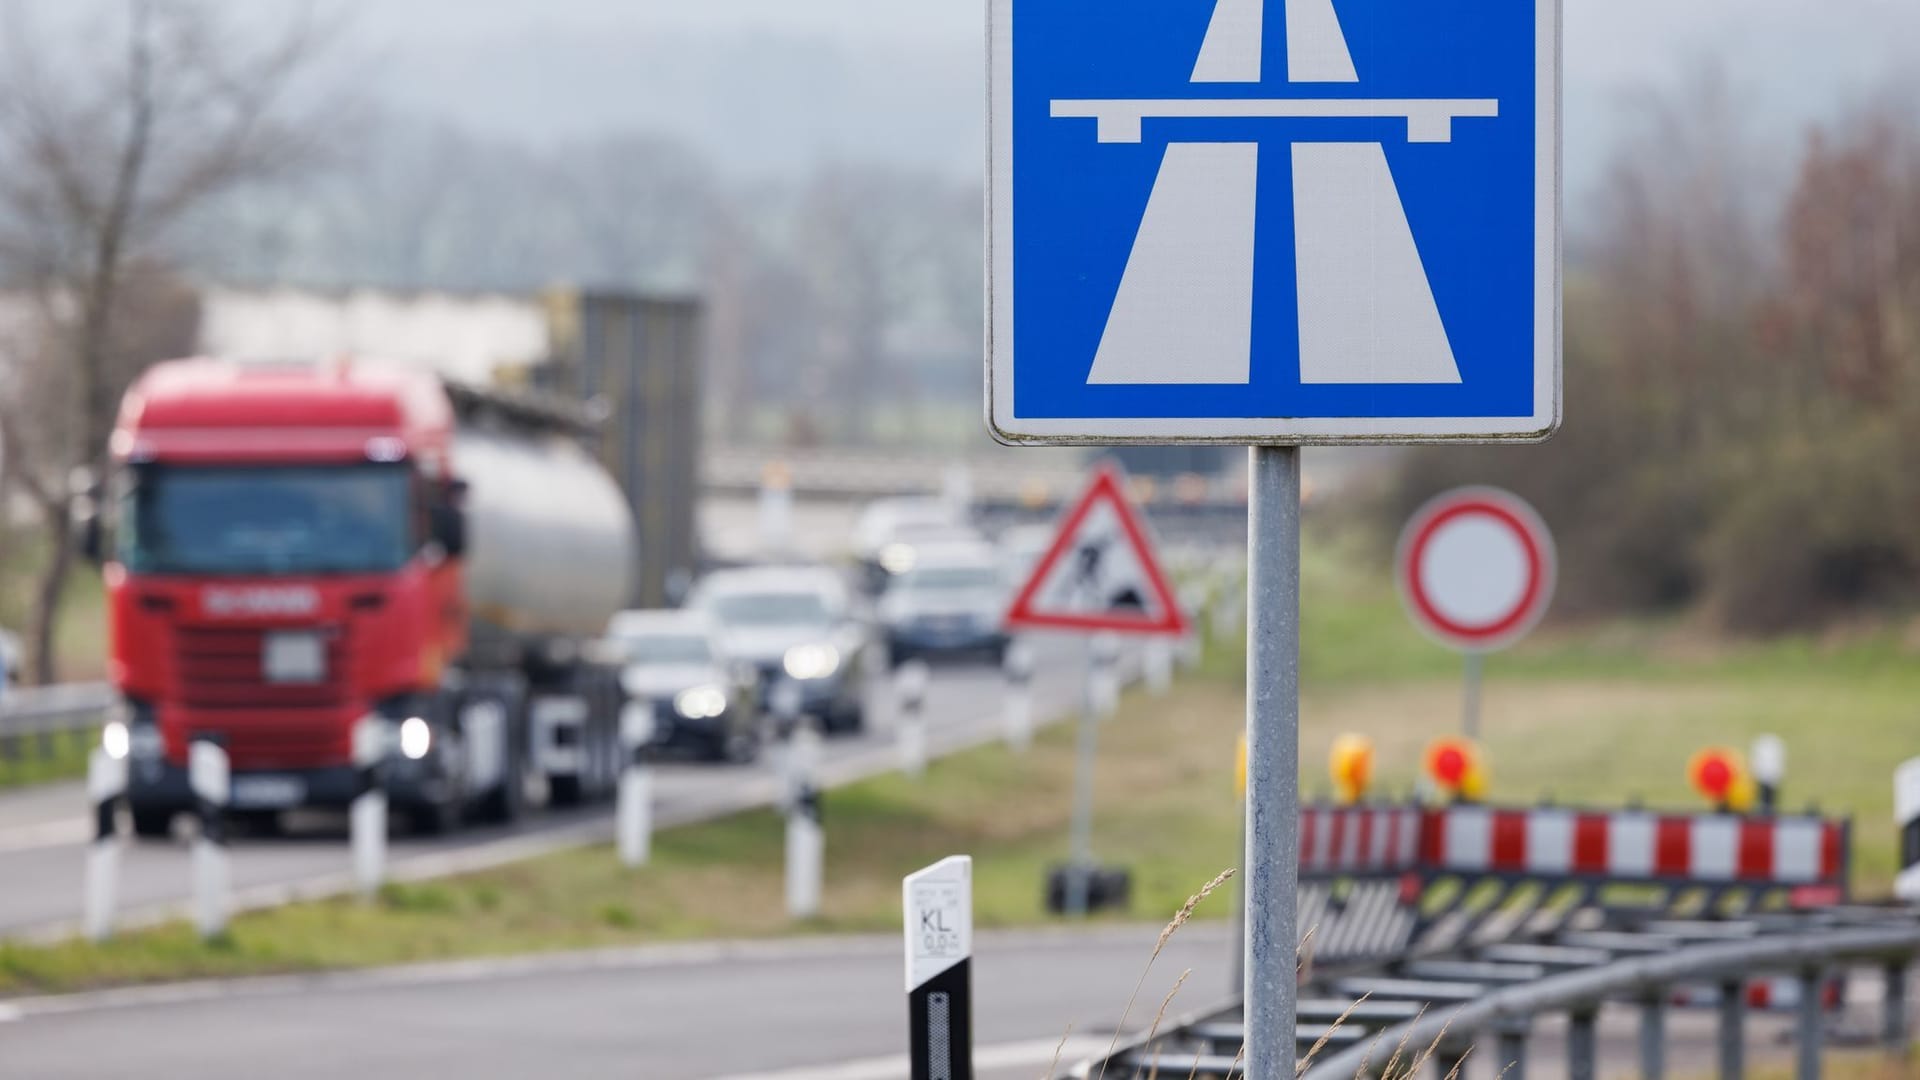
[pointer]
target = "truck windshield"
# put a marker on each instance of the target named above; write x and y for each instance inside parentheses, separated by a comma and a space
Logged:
(338, 519)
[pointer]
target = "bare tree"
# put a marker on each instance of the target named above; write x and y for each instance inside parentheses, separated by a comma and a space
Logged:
(109, 138)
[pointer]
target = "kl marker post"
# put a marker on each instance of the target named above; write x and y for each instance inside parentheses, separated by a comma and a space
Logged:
(106, 787)
(910, 695)
(635, 810)
(367, 815)
(210, 776)
(938, 903)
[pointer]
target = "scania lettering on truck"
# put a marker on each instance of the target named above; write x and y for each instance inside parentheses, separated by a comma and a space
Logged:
(299, 547)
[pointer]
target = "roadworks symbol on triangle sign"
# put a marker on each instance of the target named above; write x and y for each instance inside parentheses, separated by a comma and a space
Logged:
(1100, 573)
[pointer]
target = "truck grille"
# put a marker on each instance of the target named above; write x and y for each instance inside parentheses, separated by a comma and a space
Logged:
(224, 668)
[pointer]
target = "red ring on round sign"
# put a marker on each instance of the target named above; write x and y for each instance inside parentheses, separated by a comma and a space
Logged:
(1517, 518)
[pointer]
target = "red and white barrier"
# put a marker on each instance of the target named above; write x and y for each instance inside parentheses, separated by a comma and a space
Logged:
(1634, 845)
(1629, 845)
(1359, 840)
(1768, 993)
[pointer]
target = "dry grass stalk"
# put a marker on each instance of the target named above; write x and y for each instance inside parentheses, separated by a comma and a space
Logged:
(1198, 1052)
(1454, 1073)
(1154, 1072)
(1179, 920)
(1237, 1056)
(1053, 1066)
(1321, 1043)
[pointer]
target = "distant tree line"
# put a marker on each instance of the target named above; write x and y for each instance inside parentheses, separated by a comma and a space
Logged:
(1742, 430)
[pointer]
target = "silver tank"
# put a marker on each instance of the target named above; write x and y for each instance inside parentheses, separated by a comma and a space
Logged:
(550, 543)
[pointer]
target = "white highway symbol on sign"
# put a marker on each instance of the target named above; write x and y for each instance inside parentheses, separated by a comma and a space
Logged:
(1300, 302)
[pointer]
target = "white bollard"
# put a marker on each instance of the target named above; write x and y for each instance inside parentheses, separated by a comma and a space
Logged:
(1157, 664)
(1018, 720)
(106, 786)
(634, 827)
(1768, 760)
(806, 839)
(211, 777)
(367, 814)
(1906, 817)
(910, 696)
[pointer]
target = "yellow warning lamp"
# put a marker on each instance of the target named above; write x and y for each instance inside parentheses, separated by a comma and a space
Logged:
(1455, 768)
(1351, 764)
(1721, 778)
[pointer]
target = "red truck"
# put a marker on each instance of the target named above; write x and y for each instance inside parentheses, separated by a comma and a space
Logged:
(300, 546)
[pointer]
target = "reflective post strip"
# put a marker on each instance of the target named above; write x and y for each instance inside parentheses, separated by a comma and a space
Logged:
(1018, 716)
(806, 840)
(106, 786)
(633, 811)
(938, 910)
(910, 697)
(367, 815)
(210, 775)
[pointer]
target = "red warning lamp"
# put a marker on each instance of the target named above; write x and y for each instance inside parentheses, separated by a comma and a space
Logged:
(1454, 767)
(1720, 777)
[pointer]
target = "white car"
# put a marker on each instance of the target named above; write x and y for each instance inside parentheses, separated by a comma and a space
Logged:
(953, 600)
(890, 533)
(793, 624)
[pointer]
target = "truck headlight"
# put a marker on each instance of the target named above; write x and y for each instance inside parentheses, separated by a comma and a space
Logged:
(116, 740)
(805, 662)
(700, 702)
(416, 738)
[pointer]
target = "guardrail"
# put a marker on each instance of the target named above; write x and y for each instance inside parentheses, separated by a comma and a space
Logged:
(40, 725)
(1436, 928)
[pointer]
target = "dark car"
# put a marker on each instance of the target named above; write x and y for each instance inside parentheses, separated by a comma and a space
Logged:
(674, 668)
(794, 624)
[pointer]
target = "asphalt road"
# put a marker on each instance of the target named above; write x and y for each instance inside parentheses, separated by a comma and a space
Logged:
(44, 831)
(808, 1010)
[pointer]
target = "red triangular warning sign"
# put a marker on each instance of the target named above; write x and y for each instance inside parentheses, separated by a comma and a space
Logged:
(1100, 573)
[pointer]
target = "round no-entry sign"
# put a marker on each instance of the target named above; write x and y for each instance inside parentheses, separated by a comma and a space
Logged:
(1476, 568)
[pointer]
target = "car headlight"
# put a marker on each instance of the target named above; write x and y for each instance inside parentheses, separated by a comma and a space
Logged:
(416, 738)
(116, 740)
(897, 558)
(700, 703)
(812, 661)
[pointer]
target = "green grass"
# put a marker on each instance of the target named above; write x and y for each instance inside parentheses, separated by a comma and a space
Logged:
(29, 759)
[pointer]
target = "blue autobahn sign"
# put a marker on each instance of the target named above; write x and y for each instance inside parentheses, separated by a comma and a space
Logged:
(1274, 220)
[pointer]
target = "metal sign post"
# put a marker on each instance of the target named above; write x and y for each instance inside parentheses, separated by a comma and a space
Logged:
(1273, 760)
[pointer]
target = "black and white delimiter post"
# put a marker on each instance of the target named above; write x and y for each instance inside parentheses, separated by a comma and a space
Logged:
(938, 903)
(211, 777)
(367, 815)
(806, 840)
(106, 786)
(1906, 814)
(910, 697)
(1768, 760)
(634, 814)
(1018, 719)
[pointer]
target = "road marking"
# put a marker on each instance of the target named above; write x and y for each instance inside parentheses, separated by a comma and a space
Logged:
(892, 1067)
(46, 834)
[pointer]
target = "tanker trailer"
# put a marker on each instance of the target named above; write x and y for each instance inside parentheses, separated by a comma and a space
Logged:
(304, 546)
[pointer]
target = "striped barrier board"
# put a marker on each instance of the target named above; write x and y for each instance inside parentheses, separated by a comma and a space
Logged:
(1635, 846)
(1624, 846)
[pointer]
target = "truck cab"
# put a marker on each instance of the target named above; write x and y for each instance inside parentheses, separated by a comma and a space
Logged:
(288, 562)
